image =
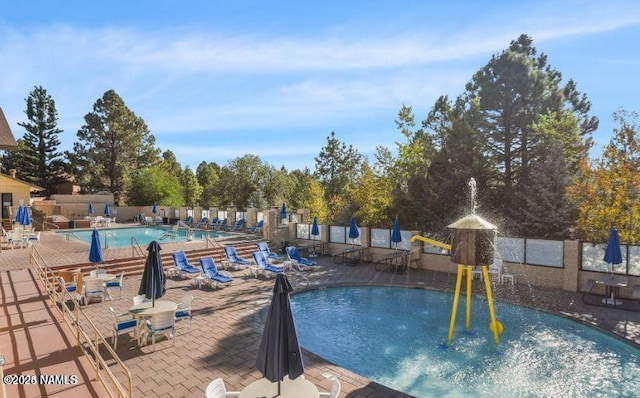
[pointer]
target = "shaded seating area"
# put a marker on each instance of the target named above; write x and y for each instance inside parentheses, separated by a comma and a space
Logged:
(606, 291)
(182, 265)
(211, 272)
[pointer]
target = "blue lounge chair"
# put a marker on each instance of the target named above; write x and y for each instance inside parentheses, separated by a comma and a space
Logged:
(188, 220)
(264, 248)
(302, 263)
(214, 223)
(182, 264)
(232, 256)
(238, 225)
(257, 229)
(204, 221)
(263, 264)
(211, 271)
(221, 225)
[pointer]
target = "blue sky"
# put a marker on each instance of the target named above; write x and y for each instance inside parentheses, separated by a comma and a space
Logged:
(216, 80)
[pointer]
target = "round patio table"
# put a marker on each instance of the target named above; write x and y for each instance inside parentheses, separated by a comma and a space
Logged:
(297, 388)
(146, 309)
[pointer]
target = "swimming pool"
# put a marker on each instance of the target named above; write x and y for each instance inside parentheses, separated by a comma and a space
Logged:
(121, 237)
(394, 336)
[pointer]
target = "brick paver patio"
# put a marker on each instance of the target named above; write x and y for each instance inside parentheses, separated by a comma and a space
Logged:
(227, 326)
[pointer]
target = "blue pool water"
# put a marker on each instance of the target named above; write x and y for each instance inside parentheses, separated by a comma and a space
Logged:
(121, 237)
(394, 336)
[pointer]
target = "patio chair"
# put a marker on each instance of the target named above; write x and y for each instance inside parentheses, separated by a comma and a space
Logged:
(263, 264)
(68, 280)
(221, 225)
(122, 326)
(183, 311)
(257, 229)
(238, 225)
(217, 389)
(162, 323)
(232, 256)
(214, 223)
(303, 264)
(16, 237)
(93, 288)
(139, 299)
(115, 284)
(203, 221)
(182, 264)
(188, 220)
(211, 271)
(33, 239)
(264, 248)
(335, 386)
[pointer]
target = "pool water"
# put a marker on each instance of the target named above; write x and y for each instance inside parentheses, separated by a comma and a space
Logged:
(121, 237)
(396, 337)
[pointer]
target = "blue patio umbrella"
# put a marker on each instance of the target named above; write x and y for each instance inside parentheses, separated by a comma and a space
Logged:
(95, 253)
(26, 217)
(283, 212)
(315, 230)
(354, 232)
(396, 237)
(91, 211)
(279, 353)
(154, 209)
(107, 210)
(613, 253)
(18, 218)
(153, 281)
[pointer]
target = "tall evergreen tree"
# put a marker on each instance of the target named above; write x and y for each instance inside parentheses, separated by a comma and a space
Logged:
(337, 166)
(191, 189)
(207, 176)
(111, 146)
(37, 159)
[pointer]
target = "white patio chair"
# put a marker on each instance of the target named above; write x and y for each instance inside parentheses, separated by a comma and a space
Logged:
(93, 288)
(183, 311)
(16, 237)
(115, 284)
(162, 323)
(122, 326)
(335, 386)
(217, 389)
(139, 299)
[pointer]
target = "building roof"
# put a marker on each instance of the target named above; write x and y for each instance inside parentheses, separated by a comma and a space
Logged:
(33, 187)
(7, 142)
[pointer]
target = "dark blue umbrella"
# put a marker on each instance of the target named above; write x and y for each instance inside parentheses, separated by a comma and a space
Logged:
(279, 353)
(283, 212)
(26, 217)
(18, 218)
(613, 253)
(315, 230)
(396, 237)
(354, 233)
(154, 209)
(95, 253)
(107, 211)
(91, 211)
(152, 284)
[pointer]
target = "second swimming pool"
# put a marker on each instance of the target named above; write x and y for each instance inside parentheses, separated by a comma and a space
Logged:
(395, 337)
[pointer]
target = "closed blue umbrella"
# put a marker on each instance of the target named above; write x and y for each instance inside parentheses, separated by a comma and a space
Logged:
(396, 237)
(315, 230)
(91, 211)
(613, 253)
(26, 217)
(279, 353)
(153, 281)
(154, 209)
(18, 218)
(283, 212)
(95, 253)
(107, 210)
(354, 233)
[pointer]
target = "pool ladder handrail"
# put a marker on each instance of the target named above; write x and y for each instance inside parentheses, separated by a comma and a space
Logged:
(74, 235)
(135, 248)
(213, 242)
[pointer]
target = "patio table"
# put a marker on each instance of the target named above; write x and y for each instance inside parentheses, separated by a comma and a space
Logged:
(297, 388)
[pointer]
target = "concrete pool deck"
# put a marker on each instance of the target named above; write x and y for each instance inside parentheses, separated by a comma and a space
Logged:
(227, 326)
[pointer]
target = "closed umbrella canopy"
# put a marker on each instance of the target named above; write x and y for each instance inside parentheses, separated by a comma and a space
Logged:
(26, 217)
(95, 253)
(283, 212)
(91, 211)
(396, 237)
(152, 284)
(18, 218)
(354, 232)
(613, 253)
(279, 353)
(107, 210)
(154, 209)
(315, 230)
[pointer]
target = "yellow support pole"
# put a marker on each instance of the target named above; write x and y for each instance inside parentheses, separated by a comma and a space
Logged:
(495, 326)
(469, 275)
(456, 297)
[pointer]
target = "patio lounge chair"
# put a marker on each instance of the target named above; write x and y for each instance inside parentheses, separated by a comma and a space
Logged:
(263, 264)
(221, 225)
(182, 264)
(264, 248)
(204, 221)
(214, 223)
(211, 271)
(233, 258)
(188, 220)
(217, 389)
(257, 229)
(238, 225)
(303, 264)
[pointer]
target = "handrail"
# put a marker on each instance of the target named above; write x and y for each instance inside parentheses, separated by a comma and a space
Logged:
(47, 223)
(74, 235)
(135, 248)
(78, 321)
(213, 241)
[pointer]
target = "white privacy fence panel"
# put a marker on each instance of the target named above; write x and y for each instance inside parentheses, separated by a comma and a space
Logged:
(337, 234)
(545, 252)
(302, 231)
(510, 249)
(380, 238)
